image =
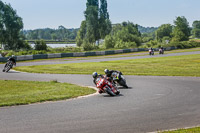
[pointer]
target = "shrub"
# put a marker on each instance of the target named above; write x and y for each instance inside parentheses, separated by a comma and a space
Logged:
(40, 45)
(87, 46)
(109, 42)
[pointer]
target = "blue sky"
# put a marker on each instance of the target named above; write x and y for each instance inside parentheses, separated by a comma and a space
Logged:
(69, 13)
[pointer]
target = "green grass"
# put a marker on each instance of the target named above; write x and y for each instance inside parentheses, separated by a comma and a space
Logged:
(190, 130)
(186, 65)
(26, 92)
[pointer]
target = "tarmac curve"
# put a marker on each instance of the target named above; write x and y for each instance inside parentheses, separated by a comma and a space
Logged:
(151, 103)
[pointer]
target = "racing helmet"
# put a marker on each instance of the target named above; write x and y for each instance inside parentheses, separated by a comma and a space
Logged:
(106, 71)
(94, 75)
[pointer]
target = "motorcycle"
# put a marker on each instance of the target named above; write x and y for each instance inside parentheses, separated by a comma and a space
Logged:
(151, 52)
(161, 51)
(106, 86)
(8, 66)
(119, 78)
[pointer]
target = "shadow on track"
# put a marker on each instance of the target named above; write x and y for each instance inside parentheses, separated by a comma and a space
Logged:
(121, 87)
(106, 95)
(9, 72)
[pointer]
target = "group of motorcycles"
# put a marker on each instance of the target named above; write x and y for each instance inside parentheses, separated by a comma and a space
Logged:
(151, 51)
(110, 85)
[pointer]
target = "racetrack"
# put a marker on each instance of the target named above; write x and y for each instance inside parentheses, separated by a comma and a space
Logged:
(151, 103)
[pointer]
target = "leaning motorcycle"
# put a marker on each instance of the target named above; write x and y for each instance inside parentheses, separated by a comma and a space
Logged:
(161, 51)
(107, 87)
(8, 66)
(151, 52)
(119, 78)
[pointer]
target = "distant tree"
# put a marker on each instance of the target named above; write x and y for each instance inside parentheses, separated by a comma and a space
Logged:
(196, 29)
(92, 25)
(96, 24)
(164, 30)
(147, 29)
(181, 31)
(10, 26)
(61, 34)
(123, 35)
(81, 34)
(104, 22)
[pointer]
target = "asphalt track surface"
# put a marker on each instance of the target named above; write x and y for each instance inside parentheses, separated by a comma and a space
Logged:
(151, 103)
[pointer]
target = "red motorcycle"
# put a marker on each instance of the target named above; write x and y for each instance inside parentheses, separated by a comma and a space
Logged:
(106, 86)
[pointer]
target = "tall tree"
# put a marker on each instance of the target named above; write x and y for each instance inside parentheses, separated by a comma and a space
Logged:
(10, 26)
(104, 22)
(97, 23)
(196, 29)
(164, 30)
(92, 24)
(181, 30)
(81, 34)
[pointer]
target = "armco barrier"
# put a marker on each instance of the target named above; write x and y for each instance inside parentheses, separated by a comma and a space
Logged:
(81, 54)
(126, 50)
(24, 57)
(40, 56)
(66, 55)
(118, 51)
(109, 52)
(58, 55)
(90, 53)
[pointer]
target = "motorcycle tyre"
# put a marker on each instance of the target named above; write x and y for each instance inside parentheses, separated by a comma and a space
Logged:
(110, 92)
(7, 68)
(123, 83)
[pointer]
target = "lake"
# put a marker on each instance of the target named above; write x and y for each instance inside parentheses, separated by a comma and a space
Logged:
(58, 45)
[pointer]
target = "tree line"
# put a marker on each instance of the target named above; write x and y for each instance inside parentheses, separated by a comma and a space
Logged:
(60, 34)
(167, 34)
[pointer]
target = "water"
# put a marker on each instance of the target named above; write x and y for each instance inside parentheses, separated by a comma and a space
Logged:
(58, 45)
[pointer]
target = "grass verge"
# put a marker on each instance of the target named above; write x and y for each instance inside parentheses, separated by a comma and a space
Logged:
(25, 92)
(186, 65)
(190, 130)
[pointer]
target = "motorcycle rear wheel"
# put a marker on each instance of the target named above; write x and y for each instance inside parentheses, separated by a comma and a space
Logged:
(123, 83)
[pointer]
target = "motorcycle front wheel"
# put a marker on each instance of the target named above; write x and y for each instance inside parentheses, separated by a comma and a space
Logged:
(108, 90)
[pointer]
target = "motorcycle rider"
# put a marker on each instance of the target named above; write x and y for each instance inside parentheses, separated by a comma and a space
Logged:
(12, 58)
(95, 75)
(109, 72)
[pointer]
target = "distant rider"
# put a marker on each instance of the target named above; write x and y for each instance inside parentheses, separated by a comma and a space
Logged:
(12, 58)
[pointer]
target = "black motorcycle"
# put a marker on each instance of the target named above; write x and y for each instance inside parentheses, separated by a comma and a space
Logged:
(161, 51)
(8, 66)
(119, 78)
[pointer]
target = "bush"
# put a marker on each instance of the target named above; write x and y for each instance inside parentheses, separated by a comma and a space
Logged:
(184, 44)
(109, 42)
(87, 46)
(40, 45)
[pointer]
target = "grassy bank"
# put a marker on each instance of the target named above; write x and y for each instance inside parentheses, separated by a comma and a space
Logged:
(26, 92)
(190, 130)
(186, 65)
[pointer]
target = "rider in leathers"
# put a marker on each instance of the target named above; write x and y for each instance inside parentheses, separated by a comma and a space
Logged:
(109, 72)
(96, 76)
(11, 59)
